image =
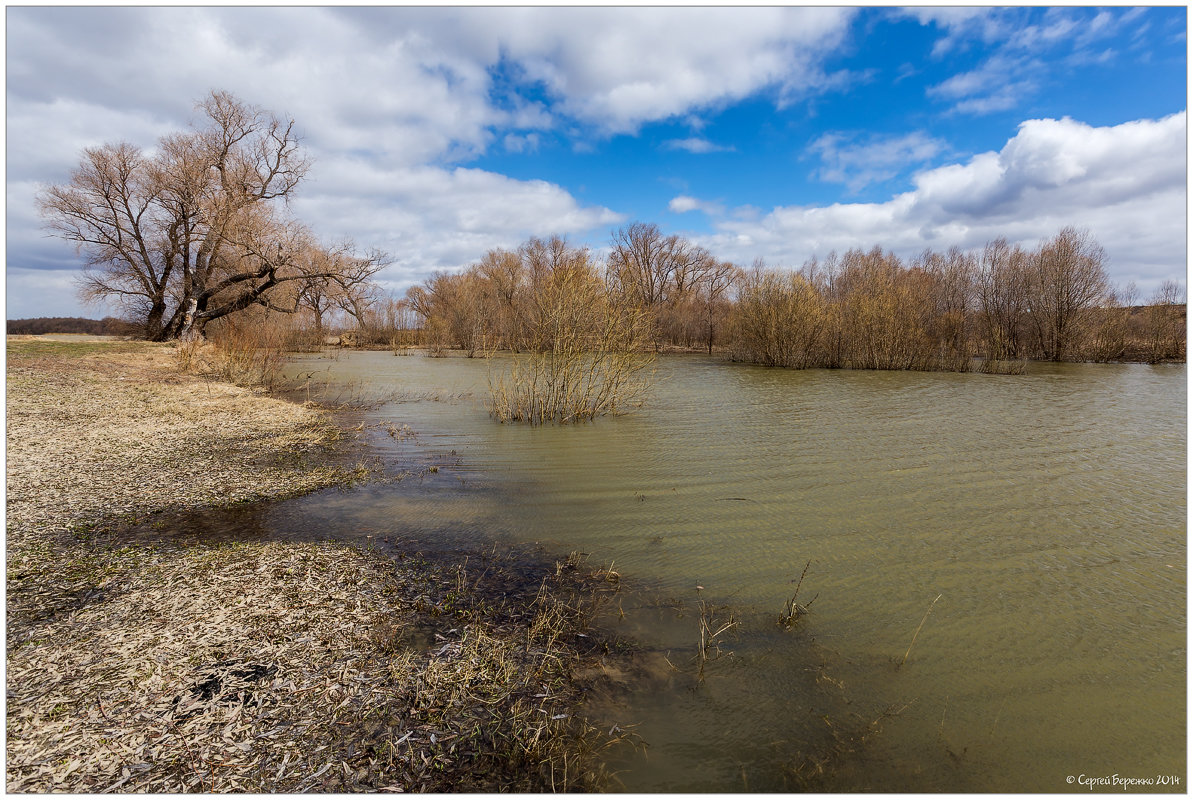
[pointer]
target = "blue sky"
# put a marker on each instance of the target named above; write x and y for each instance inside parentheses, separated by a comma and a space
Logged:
(778, 133)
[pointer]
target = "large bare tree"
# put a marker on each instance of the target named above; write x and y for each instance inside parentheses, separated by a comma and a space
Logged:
(199, 229)
(1066, 279)
(657, 273)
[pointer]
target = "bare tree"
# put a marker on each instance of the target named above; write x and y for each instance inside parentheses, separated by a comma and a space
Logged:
(584, 344)
(340, 280)
(1067, 278)
(779, 319)
(1002, 289)
(656, 272)
(1164, 324)
(452, 306)
(952, 278)
(112, 210)
(713, 289)
(504, 276)
(197, 231)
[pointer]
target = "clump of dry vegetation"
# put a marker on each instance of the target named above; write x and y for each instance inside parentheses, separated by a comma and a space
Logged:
(255, 666)
(793, 611)
(582, 344)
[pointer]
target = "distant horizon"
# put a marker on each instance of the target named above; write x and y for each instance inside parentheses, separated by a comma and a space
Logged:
(774, 133)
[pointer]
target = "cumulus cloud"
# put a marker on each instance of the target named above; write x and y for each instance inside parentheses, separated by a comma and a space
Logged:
(527, 143)
(857, 161)
(407, 101)
(388, 100)
(1126, 183)
(619, 68)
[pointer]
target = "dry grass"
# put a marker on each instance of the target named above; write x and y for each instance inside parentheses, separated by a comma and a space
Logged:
(296, 667)
(260, 666)
(246, 354)
(96, 435)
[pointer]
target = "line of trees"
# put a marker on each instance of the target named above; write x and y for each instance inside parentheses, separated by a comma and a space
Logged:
(678, 291)
(994, 308)
(940, 311)
(198, 229)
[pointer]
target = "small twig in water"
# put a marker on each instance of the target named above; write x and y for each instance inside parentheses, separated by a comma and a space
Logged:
(999, 714)
(917, 630)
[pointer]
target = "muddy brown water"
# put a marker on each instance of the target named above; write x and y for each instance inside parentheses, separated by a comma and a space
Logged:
(1047, 511)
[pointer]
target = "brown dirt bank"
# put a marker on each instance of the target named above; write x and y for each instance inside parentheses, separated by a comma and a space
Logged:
(255, 666)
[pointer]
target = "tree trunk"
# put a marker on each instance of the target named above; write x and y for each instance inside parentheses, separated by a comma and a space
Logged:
(189, 330)
(154, 328)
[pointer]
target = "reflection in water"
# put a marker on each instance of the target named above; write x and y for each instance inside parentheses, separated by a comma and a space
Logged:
(1048, 510)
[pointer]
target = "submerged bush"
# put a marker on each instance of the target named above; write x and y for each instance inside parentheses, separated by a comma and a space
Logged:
(569, 386)
(585, 349)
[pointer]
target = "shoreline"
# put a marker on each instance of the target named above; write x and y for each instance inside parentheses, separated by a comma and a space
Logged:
(724, 353)
(170, 665)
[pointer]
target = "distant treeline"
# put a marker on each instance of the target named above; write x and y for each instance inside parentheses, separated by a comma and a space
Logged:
(108, 326)
(991, 309)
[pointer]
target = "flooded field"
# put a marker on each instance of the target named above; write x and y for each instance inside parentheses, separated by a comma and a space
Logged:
(1046, 511)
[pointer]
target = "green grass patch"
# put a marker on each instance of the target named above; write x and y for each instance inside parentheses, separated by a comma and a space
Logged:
(33, 348)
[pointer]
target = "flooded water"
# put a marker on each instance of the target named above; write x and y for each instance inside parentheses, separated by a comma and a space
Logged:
(1046, 511)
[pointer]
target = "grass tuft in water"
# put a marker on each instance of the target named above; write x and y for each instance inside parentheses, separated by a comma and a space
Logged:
(792, 611)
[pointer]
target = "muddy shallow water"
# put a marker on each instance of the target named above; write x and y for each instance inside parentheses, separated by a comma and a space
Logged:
(1047, 511)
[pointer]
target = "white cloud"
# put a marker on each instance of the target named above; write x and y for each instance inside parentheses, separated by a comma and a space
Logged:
(961, 23)
(695, 145)
(406, 100)
(434, 218)
(682, 204)
(1017, 69)
(618, 68)
(875, 158)
(47, 138)
(1125, 183)
(515, 143)
(997, 84)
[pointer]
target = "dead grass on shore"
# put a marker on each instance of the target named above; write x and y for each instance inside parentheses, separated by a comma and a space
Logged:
(262, 666)
(96, 434)
(298, 667)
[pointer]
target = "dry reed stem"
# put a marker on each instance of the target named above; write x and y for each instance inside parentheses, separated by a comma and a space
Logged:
(792, 610)
(917, 630)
